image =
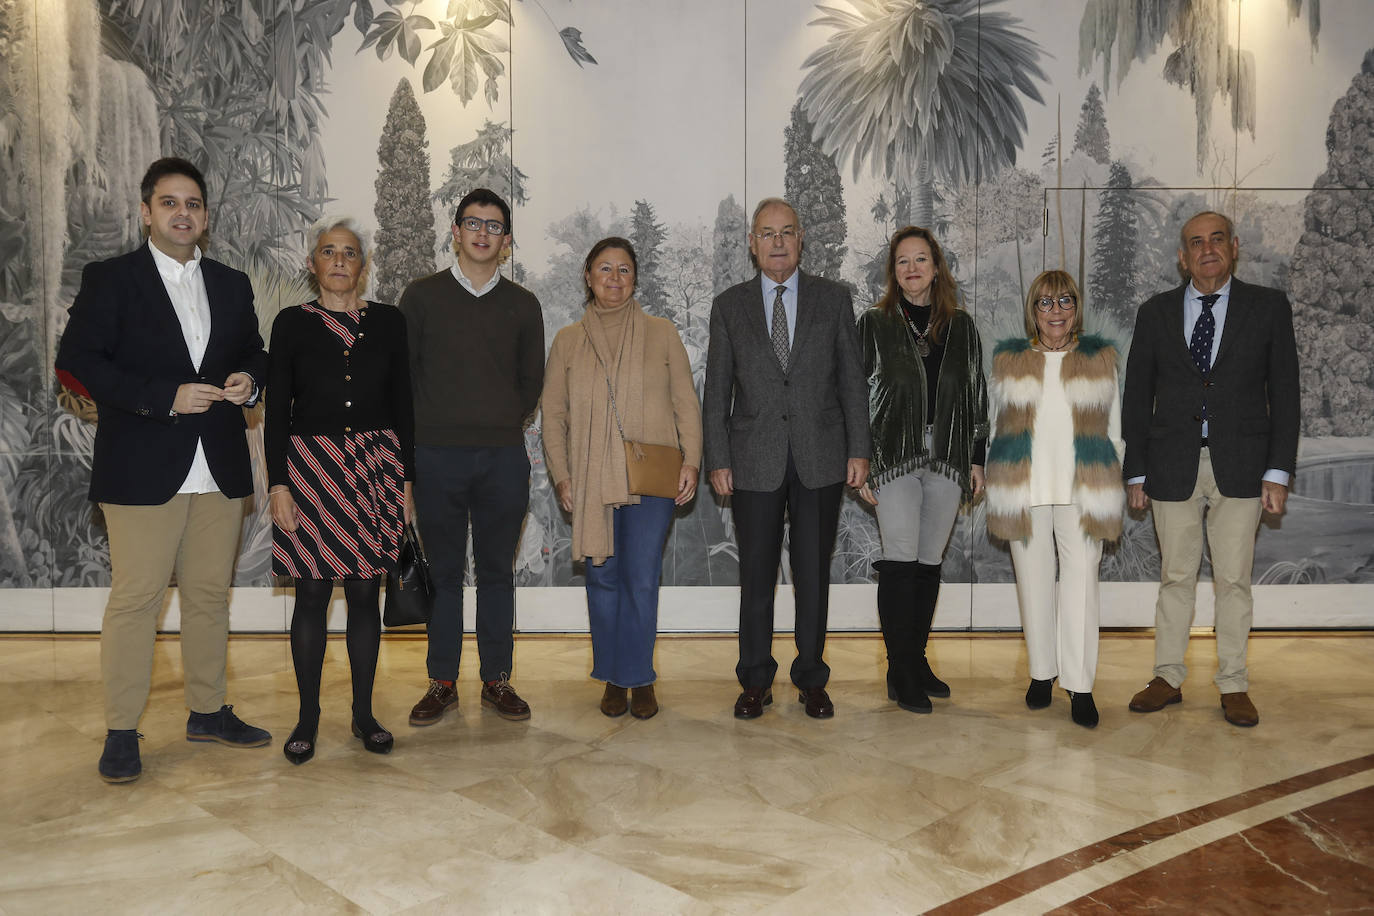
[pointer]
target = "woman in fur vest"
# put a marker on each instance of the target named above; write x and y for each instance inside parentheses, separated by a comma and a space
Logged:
(1054, 483)
(928, 411)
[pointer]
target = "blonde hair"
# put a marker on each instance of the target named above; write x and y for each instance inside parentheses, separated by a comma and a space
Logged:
(1052, 283)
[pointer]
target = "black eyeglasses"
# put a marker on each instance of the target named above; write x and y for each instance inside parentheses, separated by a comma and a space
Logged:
(1066, 302)
(473, 224)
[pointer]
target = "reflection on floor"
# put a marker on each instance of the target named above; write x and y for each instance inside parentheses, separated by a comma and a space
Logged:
(983, 805)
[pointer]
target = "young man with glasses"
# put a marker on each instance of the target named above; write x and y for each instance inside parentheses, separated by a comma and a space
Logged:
(477, 368)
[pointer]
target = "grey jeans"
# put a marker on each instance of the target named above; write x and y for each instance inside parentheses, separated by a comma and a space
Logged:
(916, 515)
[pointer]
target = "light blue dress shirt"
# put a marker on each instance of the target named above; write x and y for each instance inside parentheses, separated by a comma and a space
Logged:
(789, 303)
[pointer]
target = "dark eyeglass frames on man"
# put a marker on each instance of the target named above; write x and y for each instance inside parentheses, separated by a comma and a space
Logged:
(493, 226)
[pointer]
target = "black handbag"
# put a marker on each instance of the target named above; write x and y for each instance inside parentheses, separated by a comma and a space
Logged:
(410, 589)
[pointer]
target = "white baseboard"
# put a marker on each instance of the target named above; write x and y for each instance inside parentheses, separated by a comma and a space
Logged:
(714, 609)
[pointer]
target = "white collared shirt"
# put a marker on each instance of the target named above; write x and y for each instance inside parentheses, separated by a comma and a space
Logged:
(464, 282)
(185, 286)
(789, 302)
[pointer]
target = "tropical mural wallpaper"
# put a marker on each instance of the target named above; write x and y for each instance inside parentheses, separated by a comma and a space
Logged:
(1028, 134)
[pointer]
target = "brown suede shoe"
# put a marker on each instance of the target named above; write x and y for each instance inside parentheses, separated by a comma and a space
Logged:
(501, 696)
(1156, 695)
(1239, 710)
(432, 706)
(613, 702)
(643, 703)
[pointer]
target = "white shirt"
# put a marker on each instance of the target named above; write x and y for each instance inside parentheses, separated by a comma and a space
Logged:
(464, 282)
(789, 302)
(1052, 452)
(186, 288)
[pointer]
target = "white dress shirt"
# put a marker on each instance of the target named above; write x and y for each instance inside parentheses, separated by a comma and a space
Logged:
(186, 288)
(789, 302)
(464, 282)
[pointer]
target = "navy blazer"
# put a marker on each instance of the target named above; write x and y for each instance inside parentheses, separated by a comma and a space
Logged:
(125, 345)
(1251, 394)
(754, 411)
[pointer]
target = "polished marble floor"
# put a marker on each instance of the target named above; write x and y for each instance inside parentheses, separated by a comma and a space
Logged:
(982, 806)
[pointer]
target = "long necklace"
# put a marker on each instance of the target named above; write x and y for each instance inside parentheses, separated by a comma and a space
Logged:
(922, 345)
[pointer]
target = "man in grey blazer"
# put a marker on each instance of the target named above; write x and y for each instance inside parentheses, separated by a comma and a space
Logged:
(786, 428)
(1210, 419)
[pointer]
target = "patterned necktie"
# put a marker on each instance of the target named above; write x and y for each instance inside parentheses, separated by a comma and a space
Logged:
(1200, 345)
(781, 347)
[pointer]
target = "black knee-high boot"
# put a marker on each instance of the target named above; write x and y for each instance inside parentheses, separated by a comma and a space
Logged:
(896, 589)
(926, 594)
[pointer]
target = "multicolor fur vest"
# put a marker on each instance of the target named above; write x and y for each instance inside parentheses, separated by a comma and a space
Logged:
(1015, 388)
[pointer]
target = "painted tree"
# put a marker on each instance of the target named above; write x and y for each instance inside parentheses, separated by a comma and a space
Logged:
(484, 162)
(1091, 136)
(730, 246)
(1049, 156)
(1202, 60)
(921, 90)
(811, 183)
(647, 235)
(405, 235)
(1116, 238)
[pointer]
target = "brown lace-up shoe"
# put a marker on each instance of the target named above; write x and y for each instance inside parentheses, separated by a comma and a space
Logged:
(643, 703)
(1239, 710)
(432, 706)
(501, 696)
(1156, 695)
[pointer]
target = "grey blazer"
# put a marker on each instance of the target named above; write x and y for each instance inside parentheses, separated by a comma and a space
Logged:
(754, 411)
(1251, 393)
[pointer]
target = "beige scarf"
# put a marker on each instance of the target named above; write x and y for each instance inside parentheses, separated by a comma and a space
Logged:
(617, 353)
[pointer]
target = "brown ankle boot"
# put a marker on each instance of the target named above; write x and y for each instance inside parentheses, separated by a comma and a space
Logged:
(643, 704)
(613, 701)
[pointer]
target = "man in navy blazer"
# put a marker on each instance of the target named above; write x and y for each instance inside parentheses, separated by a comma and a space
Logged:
(1210, 418)
(166, 342)
(786, 427)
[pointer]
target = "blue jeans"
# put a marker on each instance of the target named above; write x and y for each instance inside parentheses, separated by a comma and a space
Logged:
(622, 594)
(488, 487)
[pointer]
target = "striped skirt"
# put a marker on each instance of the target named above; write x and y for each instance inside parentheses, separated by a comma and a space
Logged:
(349, 503)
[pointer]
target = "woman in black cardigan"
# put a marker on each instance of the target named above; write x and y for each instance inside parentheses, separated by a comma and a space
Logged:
(340, 460)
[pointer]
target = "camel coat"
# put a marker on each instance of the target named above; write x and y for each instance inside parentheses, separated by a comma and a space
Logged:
(656, 400)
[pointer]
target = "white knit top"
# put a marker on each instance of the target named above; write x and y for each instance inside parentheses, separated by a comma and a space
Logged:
(1052, 457)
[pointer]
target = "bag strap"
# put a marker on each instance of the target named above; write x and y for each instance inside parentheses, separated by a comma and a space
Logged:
(609, 389)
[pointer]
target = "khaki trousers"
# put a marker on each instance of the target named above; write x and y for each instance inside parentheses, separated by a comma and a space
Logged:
(1232, 524)
(197, 537)
(1059, 619)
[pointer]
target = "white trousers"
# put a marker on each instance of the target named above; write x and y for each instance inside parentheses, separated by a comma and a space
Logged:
(1059, 620)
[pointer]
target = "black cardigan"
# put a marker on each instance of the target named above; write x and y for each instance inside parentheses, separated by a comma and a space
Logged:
(316, 386)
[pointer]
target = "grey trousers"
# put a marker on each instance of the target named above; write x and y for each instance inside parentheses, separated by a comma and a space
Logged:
(916, 514)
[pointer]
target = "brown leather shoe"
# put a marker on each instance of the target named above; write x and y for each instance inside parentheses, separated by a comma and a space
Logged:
(432, 706)
(1156, 695)
(1239, 710)
(501, 696)
(643, 703)
(750, 703)
(613, 702)
(818, 705)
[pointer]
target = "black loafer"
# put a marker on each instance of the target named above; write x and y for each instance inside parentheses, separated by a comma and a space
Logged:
(119, 761)
(226, 728)
(299, 747)
(378, 742)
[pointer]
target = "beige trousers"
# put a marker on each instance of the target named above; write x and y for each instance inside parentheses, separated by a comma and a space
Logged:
(1231, 527)
(197, 537)
(1059, 619)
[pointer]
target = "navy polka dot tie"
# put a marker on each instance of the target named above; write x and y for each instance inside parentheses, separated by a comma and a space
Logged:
(1200, 345)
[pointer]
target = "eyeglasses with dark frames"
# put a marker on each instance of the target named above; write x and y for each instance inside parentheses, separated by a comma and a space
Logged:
(1066, 302)
(493, 226)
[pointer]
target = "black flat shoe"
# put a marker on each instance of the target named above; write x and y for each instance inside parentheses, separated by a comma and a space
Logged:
(378, 742)
(1083, 710)
(1039, 694)
(299, 748)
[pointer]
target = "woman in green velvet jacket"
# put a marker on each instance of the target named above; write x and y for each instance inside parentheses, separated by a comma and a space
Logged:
(928, 407)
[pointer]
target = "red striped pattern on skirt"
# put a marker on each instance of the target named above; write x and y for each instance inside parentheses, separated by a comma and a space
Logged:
(349, 493)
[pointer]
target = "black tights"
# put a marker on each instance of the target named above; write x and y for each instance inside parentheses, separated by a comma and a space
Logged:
(363, 638)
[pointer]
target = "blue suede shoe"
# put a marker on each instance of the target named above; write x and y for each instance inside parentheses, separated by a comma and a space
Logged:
(226, 728)
(119, 762)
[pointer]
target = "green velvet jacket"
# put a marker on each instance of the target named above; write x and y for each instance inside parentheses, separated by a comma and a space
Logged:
(897, 399)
